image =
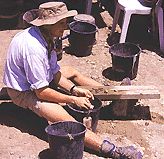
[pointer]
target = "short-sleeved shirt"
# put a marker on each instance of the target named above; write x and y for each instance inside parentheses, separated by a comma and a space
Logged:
(28, 66)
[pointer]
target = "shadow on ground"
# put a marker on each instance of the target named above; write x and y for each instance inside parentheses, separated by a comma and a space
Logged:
(26, 121)
(109, 73)
(134, 112)
(30, 123)
(22, 119)
(45, 154)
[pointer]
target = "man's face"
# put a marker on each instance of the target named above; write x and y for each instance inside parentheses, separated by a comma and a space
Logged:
(58, 28)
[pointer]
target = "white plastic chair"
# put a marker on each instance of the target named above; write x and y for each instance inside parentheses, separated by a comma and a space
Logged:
(88, 8)
(159, 13)
(135, 7)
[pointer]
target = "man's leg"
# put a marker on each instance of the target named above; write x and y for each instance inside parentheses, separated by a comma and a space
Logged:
(55, 112)
(52, 112)
(77, 77)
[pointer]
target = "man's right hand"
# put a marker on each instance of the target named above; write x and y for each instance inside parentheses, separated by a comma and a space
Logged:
(83, 102)
(81, 92)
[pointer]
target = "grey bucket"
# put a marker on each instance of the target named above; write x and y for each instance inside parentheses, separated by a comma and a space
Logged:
(66, 139)
(125, 58)
(82, 37)
(80, 114)
(84, 18)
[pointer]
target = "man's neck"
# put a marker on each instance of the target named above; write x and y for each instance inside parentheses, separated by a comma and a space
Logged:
(46, 34)
(48, 38)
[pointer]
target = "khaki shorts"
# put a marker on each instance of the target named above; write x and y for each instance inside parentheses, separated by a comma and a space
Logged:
(25, 99)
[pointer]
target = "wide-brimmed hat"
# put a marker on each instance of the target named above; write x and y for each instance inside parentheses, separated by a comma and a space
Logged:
(48, 13)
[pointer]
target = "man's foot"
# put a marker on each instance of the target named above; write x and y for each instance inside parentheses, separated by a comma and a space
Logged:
(128, 152)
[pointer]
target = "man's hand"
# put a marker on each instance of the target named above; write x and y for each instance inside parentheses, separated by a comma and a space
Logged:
(81, 92)
(83, 102)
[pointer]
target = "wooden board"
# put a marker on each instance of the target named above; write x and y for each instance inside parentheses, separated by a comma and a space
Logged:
(124, 92)
(112, 92)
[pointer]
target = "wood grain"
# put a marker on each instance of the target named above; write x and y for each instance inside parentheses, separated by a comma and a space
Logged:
(124, 92)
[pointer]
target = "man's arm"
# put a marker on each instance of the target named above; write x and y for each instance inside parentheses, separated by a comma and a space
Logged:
(51, 95)
(63, 82)
(48, 94)
(70, 86)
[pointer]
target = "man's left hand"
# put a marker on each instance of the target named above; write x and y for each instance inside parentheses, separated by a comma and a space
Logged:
(81, 92)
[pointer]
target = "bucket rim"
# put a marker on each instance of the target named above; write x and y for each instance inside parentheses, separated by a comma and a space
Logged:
(126, 43)
(84, 15)
(65, 136)
(84, 111)
(85, 33)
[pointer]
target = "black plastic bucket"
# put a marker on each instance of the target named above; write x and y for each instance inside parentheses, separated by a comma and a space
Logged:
(66, 139)
(125, 58)
(82, 37)
(79, 114)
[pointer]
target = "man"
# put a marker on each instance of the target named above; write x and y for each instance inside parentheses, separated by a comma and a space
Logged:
(31, 69)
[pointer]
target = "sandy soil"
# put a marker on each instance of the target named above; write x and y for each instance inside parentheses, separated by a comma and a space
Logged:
(22, 133)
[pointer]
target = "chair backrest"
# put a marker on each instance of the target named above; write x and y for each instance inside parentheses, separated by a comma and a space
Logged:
(149, 3)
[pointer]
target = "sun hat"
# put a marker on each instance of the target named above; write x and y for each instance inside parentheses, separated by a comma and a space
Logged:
(48, 13)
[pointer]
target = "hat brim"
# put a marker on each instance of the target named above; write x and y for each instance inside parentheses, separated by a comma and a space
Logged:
(31, 17)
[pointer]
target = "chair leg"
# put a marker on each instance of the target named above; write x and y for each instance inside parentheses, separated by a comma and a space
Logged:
(125, 25)
(88, 7)
(115, 19)
(161, 28)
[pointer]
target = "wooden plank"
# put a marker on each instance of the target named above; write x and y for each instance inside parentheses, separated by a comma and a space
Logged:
(124, 92)
(112, 92)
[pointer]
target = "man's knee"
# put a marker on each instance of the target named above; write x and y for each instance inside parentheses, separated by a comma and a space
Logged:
(69, 72)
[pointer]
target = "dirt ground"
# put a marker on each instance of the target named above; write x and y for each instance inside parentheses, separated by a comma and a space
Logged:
(22, 133)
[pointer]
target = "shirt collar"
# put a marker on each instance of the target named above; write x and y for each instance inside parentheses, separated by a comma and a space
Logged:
(41, 36)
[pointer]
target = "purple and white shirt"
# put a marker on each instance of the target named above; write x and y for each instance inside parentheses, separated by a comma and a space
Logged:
(27, 65)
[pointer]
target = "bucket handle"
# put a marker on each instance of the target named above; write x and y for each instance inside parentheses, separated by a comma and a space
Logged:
(65, 37)
(139, 47)
(135, 59)
(70, 136)
(87, 121)
(98, 33)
